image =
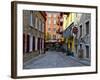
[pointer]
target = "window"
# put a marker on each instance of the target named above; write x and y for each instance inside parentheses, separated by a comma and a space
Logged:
(51, 36)
(40, 25)
(36, 22)
(54, 25)
(55, 15)
(43, 25)
(49, 14)
(54, 29)
(54, 37)
(25, 12)
(48, 26)
(48, 29)
(49, 21)
(87, 51)
(80, 30)
(87, 27)
(80, 45)
(54, 20)
(31, 19)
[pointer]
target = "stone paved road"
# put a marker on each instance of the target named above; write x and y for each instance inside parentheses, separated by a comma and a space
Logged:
(52, 60)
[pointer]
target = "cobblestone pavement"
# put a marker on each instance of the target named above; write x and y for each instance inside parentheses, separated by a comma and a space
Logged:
(52, 59)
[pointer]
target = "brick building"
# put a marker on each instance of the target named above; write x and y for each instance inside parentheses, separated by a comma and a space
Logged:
(33, 33)
(52, 25)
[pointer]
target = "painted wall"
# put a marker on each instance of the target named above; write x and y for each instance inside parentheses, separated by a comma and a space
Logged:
(68, 19)
(51, 24)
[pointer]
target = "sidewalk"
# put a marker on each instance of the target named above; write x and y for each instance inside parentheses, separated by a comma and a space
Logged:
(82, 61)
(36, 58)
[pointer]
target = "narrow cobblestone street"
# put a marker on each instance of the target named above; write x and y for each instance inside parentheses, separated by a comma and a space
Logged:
(52, 59)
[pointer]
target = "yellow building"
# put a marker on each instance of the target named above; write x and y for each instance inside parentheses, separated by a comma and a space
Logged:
(68, 24)
(68, 19)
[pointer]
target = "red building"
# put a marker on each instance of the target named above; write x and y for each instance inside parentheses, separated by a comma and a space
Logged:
(52, 26)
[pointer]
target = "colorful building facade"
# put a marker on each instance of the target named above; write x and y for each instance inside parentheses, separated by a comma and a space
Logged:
(80, 43)
(68, 25)
(52, 25)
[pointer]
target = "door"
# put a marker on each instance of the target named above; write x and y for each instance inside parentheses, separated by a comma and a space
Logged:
(28, 43)
(87, 51)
